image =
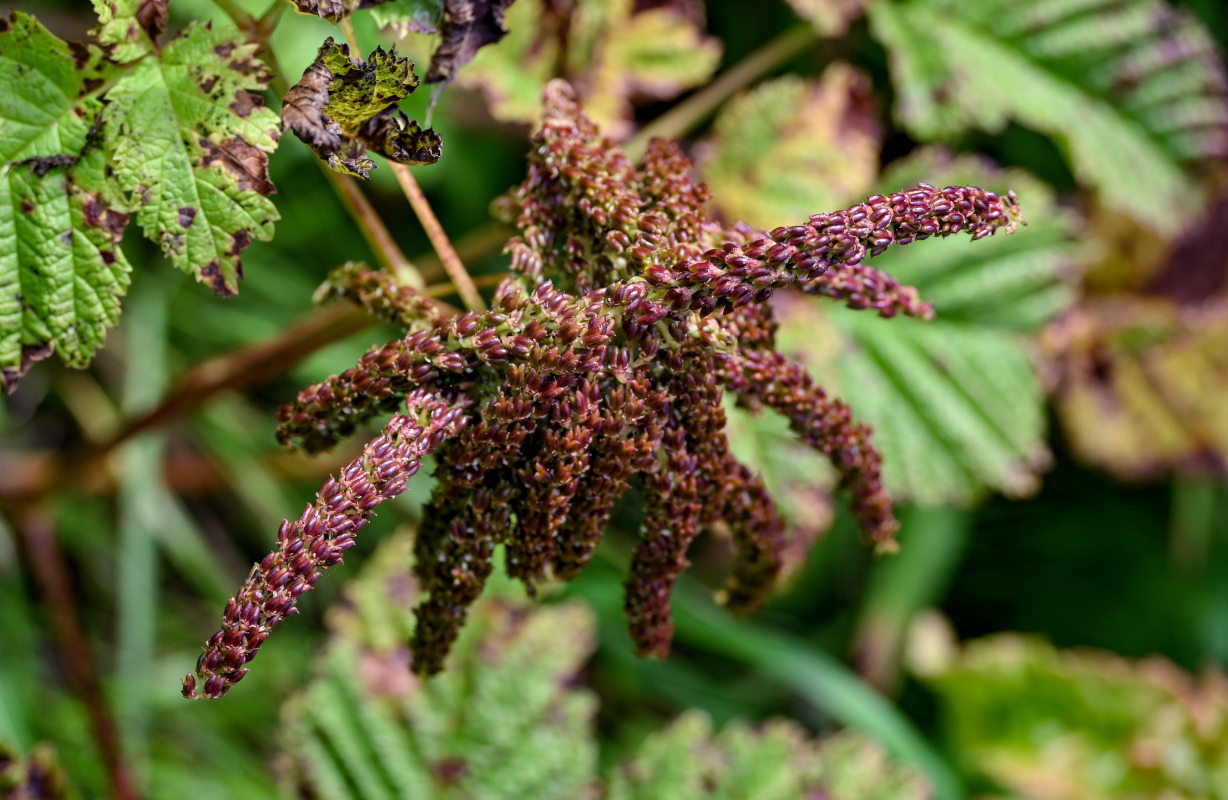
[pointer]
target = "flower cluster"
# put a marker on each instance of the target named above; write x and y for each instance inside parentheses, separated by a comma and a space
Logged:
(603, 359)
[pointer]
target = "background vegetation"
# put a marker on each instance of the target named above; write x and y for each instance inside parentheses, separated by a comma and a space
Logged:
(1056, 623)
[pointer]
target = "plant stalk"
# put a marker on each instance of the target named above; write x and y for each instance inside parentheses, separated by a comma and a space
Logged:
(439, 239)
(675, 123)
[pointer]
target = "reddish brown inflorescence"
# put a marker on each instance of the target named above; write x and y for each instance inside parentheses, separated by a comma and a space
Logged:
(604, 358)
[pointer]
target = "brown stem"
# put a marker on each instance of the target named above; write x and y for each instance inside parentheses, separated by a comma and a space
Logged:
(439, 239)
(247, 366)
(29, 478)
(37, 535)
(373, 229)
(24, 476)
(347, 27)
(674, 123)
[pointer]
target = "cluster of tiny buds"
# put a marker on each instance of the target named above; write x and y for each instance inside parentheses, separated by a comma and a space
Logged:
(604, 356)
(824, 256)
(318, 539)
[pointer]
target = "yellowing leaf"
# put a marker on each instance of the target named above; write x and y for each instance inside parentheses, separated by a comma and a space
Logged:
(829, 17)
(1142, 385)
(1133, 88)
(189, 144)
(128, 28)
(614, 56)
(342, 106)
(956, 404)
(791, 146)
(1084, 725)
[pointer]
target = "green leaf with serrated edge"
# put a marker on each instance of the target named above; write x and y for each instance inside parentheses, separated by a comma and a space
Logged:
(1133, 89)
(189, 144)
(342, 107)
(777, 760)
(956, 404)
(61, 270)
(829, 17)
(508, 717)
(504, 720)
(1094, 725)
(613, 54)
(791, 145)
(126, 27)
(410, 16)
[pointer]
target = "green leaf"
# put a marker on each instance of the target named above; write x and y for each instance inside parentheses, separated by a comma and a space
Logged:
(61, 271)
(508, 717)
(341, 107)
(956, 404)
(1093, 725)
(1133, 88)
(613, 53)
(691, 760)
(504, 720)
(410, 16)
(792, 146)
(189, 143)
(129, 28)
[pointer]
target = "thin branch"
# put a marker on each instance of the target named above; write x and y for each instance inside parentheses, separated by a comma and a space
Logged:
(24, 476)
(674, 123)
(386, 250)
(269, 19)
(350, 38)
(247, 366)
(372, 227)
(36, 532)
(238, 15)
(439, 239)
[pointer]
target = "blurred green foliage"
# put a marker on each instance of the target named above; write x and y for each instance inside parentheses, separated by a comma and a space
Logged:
(1058, 431)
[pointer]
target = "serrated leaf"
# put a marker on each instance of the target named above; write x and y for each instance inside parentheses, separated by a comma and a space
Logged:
(188, 142)
(467, 26)
(128, 29)
(1094, 726)
(691, 760)
(956, 404)
(614, 55)
(510, 718)
(410, 16)
(341, 107)
(504, 720)
(1142, 383)
(61, 270)
(791, 146)
(1133, 89)
(829, 17)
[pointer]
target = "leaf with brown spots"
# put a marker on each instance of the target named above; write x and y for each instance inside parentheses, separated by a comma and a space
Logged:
(468, 25)
(128, 29)
(189, 140)
(334, 10)
(342, 108)
(63, 275)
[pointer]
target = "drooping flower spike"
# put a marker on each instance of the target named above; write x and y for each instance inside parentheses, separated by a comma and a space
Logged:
(604, 358)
